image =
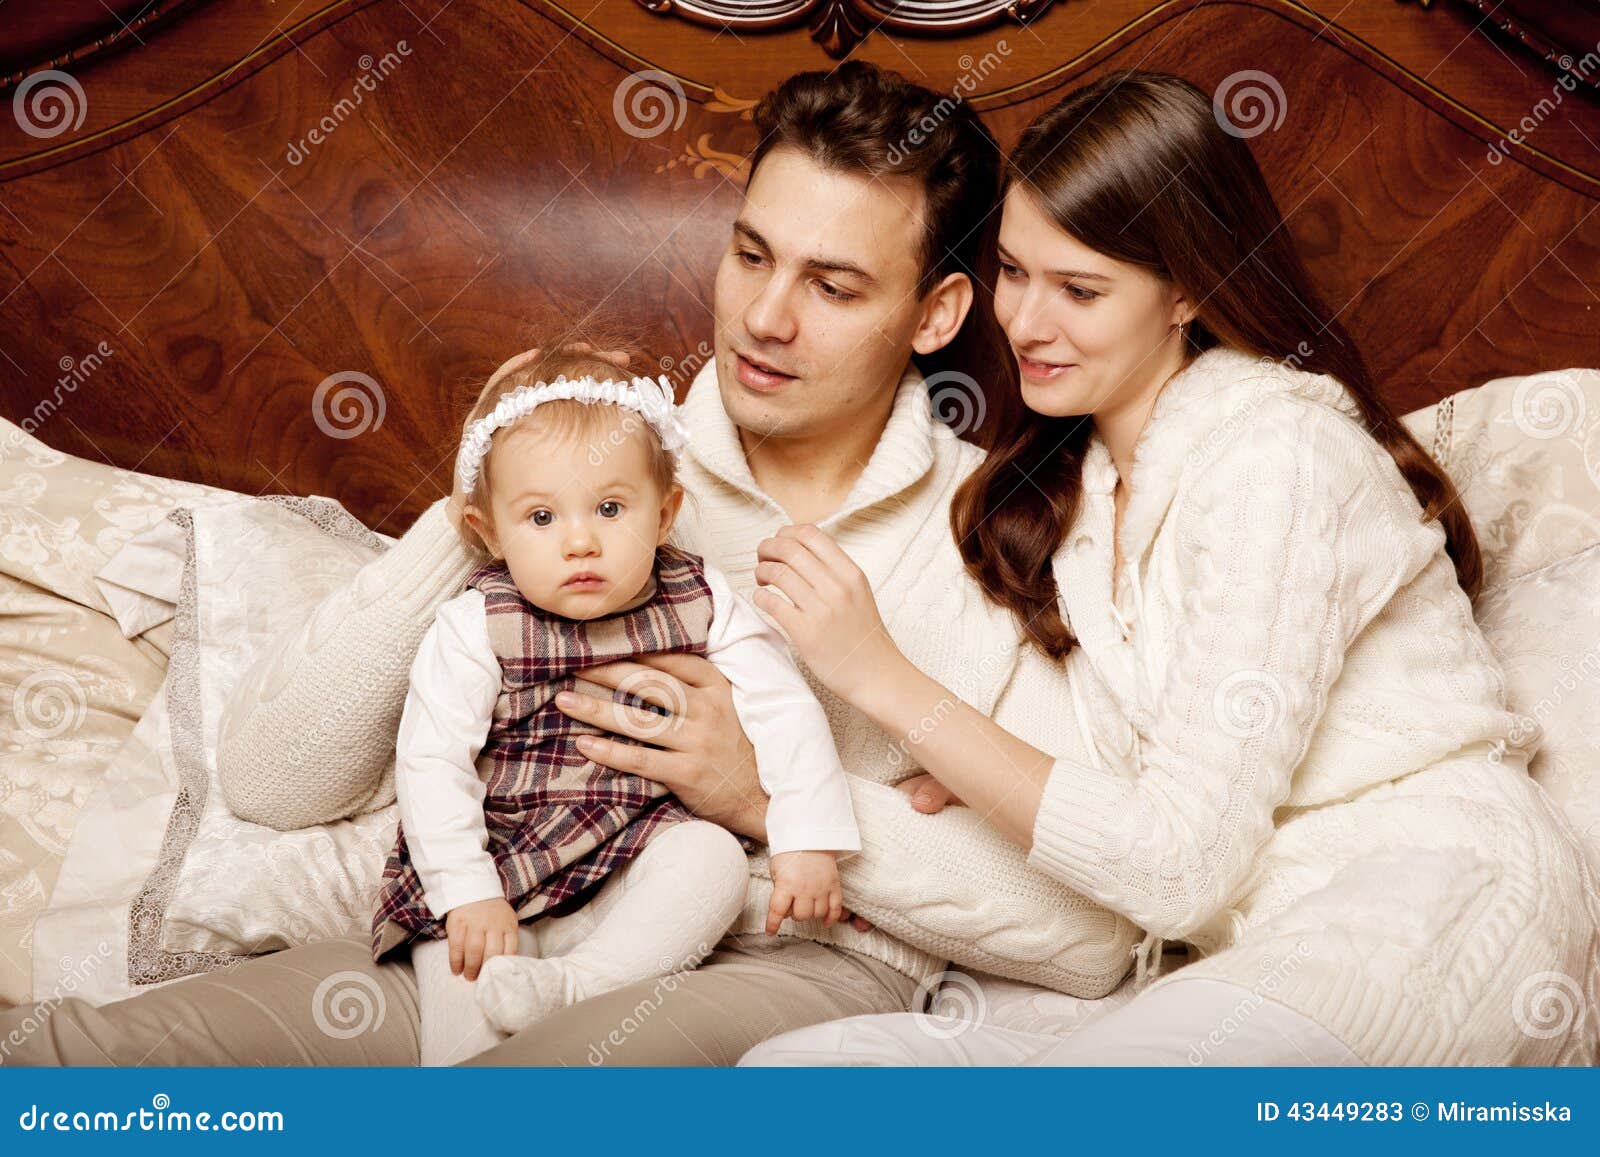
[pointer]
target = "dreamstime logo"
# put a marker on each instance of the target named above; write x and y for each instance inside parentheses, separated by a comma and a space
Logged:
(1547, 406)
(1547, 1004)
(973, 73)
(1574, 72)
(673, 972)
(957, 401)
(72, 973)
(1276, 969)
(1571, 686)
(1267, 368)
(1249, 103)
(347, 1004)
(49, 103)
(373, 72)
(1248, 704)
(347, 405)
(900, 749)
(74, 372)
(686, 368)
(956, 1005)
(48, 704)
(629, 425)
(666, 699)
(647, 104)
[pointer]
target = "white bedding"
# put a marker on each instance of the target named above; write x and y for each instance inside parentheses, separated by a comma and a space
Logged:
(193, 887)
(1533, 490)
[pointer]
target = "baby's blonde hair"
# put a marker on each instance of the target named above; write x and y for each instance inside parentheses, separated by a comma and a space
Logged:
(565, 418)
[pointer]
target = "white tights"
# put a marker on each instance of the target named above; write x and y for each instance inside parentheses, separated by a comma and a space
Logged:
(662, 912)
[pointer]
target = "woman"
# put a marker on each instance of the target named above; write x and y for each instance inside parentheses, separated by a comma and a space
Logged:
(1299, 762)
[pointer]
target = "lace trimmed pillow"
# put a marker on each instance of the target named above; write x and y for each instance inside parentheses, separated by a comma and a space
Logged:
(224, 888)
(1525, 454)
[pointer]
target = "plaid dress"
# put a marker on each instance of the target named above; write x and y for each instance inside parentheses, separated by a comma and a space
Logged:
(558, 823)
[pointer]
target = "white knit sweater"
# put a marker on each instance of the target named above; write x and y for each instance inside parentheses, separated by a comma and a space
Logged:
(1301, 763)
(945, 887)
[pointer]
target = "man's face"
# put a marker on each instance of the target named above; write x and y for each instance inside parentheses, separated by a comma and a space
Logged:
(816, 302)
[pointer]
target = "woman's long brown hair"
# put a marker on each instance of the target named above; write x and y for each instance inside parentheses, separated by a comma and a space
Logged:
(1138, 167)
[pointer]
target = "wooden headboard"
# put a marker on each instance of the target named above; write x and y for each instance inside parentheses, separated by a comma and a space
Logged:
(226, 226)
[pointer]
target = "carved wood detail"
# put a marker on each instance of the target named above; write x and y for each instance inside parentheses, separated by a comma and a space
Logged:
(839, 26)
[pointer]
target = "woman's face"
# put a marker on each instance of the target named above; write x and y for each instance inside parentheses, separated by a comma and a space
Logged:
(1091, 334)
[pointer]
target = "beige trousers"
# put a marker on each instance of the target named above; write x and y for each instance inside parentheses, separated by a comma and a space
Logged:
(329, 1004)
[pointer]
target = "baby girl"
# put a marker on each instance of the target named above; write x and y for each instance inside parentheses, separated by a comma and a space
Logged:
(568, 473)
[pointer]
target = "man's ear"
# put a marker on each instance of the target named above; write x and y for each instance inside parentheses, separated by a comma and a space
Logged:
(943, 312)
(670, 505)
(483, 527)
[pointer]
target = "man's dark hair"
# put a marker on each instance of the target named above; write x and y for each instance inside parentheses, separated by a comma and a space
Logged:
(872, 122)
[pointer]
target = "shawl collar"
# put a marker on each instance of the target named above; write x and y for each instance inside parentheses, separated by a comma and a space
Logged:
(902, 457)
(1198, 409)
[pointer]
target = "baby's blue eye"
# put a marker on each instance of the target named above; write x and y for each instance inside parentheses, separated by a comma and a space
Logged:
(542, 517)
(610, 508)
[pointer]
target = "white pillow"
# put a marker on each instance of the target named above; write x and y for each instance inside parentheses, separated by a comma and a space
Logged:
(222, 887)
(1525, 454)
(260, 568)
(1545, 626)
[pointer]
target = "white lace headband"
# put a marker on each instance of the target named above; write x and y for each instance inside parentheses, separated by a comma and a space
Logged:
(650, 398)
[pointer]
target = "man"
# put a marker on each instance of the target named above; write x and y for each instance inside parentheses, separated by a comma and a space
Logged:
(842, 264)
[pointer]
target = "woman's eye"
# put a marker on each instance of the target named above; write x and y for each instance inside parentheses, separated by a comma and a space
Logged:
(1081, 294)
(542, 517)
(748, 257)
(610, 508)
(1009, 270)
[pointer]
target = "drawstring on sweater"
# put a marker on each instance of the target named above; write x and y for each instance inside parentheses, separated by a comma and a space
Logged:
(1151, 947)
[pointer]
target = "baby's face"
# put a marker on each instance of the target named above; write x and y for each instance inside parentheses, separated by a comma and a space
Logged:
(577, 519)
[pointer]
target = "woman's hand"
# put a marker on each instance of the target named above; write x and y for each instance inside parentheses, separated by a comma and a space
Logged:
(927, 794)
(830, 615)
(479, 931)
(455, 508)
(699, 750)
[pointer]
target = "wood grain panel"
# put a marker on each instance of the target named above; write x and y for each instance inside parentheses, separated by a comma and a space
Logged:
(234, 266)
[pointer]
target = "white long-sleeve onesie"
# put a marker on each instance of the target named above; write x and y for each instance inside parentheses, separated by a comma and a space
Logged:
(662, 911)
(455, 681)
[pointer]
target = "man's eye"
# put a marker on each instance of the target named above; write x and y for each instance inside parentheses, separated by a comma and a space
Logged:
(542, 517)
(610, 508)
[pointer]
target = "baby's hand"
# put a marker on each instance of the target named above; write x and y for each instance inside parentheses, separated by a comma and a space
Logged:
(478, 931)
(805, 885)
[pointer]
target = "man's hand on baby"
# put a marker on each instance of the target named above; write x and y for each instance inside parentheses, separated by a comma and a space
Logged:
(805, 886)
(478, 931)
(700, 751)
(927, 794)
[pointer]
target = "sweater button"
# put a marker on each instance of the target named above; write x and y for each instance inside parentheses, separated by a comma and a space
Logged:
(1082, 543)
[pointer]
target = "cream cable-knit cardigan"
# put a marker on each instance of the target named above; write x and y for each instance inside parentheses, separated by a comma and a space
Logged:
(309, 735)
(1303, 765)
